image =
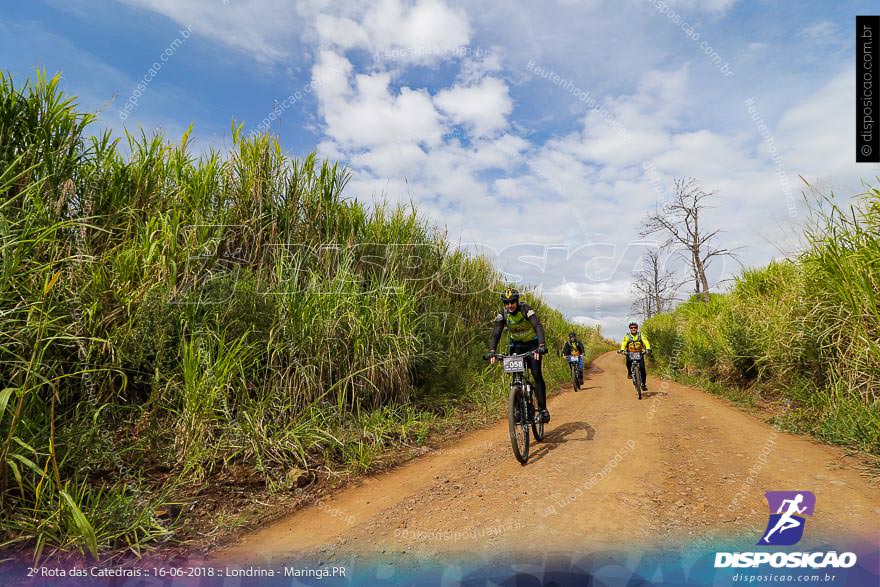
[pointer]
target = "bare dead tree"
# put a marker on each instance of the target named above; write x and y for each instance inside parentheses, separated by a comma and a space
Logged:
(655, 286)
(643, 303)
(680, 221)
(664, 283)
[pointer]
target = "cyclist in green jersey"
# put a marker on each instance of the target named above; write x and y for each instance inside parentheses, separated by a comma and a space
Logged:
(526, 335)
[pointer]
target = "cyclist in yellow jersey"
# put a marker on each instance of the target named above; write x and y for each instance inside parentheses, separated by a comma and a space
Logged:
(635, 342)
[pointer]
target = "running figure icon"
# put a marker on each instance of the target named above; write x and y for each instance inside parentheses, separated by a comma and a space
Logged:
(786, 525)
(787, 522)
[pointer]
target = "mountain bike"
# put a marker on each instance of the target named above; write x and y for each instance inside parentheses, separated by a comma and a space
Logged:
(635, 371)
(577, 375)
(522, 409)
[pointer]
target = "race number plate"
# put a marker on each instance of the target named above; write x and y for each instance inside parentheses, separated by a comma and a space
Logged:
(635, 356)
(514, 364)
(572, 359)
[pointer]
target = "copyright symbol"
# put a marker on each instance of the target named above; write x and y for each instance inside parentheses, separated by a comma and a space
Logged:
(866, 150)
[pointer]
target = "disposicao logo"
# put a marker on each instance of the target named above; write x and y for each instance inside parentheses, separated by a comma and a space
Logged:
(785, 528)
(786, 524)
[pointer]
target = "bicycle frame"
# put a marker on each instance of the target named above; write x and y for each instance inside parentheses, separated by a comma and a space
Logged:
(522, 377)
(574, 364)
(635, 369)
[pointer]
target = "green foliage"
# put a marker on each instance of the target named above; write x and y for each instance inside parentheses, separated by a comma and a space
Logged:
(804, 332)
(168, 318)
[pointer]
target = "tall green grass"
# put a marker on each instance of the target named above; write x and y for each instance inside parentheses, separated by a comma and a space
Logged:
(168, 319)
(803, 333)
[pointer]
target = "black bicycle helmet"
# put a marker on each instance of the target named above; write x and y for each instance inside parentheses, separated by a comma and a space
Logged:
(510, 296)
(631, 324)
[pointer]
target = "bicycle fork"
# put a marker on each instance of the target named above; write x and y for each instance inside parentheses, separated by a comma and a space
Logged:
(530, 405)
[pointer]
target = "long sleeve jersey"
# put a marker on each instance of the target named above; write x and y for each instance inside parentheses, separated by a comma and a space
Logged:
(523, 325)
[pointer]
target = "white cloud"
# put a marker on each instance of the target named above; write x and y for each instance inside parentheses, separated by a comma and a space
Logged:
(341, 31)
(593, 183)
(393, 31)
(478, 63)
(422, 31)
(702, 5)
(819, 30)
(393, 160)
(605, 304)
(608, 325)
(366, 114)
(582, 187)
(816, 137)
(482, 107)
(266, 30)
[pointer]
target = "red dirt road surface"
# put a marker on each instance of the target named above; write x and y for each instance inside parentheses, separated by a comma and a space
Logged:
(678, 467)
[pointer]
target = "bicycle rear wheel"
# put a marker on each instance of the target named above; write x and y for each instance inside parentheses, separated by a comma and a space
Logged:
(518, 424)
(537, 423)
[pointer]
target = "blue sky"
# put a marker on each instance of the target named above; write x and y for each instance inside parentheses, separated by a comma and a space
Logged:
(453, 105)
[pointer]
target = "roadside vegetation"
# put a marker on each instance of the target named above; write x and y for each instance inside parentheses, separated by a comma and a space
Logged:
(801, 336)
(168, 320)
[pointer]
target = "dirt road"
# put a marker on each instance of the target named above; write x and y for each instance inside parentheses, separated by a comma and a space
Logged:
(678, 467)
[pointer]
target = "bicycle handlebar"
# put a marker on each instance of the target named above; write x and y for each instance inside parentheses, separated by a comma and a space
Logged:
(539, 350)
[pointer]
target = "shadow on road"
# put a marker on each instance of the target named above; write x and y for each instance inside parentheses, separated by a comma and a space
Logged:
(647, 394)
(568, 432)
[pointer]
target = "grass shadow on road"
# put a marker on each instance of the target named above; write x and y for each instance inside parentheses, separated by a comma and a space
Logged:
(568, 432)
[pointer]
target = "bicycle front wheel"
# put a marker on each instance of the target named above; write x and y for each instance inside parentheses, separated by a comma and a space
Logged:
(518, 424)
(575, 380)
(637, 379)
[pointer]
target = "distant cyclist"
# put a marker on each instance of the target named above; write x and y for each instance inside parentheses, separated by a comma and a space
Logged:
(526, 335)
(574, 348)
(635, 342)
